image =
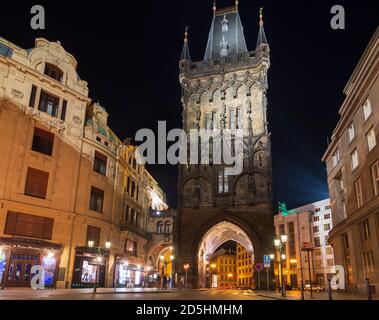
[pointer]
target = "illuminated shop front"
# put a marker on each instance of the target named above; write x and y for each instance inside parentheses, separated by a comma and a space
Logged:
(18, 256)
(87, 266)
(128, 274)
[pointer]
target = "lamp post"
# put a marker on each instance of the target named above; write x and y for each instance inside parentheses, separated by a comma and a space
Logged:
(98, 260)
(279, 244)
(186, 267)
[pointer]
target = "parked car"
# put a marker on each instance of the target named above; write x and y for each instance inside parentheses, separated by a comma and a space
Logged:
(315, 287)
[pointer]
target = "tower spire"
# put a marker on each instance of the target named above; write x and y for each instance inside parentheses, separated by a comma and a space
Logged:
(237, 2)
(214, 8)
(185, 52)
(261, 35)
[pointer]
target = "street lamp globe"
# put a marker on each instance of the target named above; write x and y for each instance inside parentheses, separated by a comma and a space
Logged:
(284, 257)
(91, 243)
(272, 256)
(277, 243)
(108, 245)
(186, 266)
(172, 257)
(99, 259)
(162, 258)
(284, 238)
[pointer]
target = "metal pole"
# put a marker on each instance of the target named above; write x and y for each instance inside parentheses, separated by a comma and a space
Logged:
(97, 267)
(186, 280)
(330, 289)
(369, 293)
(259, 281)
(300, 259)
(268, 281)
(310, 273)
(281, 272)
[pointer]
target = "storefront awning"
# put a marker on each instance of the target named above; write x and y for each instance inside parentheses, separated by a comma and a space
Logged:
(25, 242)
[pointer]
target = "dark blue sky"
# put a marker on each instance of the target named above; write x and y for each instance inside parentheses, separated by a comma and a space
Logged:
(129, 56)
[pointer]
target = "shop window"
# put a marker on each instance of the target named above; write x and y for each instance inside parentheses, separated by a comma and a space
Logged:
(100, 163)
(36, 183)
(25, 225)
(96, 200)
(53, 72)
(93, 234)
(49, 104)
(43, 141)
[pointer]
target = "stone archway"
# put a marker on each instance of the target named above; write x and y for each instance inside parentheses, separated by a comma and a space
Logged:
(213, 239)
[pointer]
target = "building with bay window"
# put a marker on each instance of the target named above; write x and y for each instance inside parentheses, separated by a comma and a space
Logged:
(352, 161)
(69, 186)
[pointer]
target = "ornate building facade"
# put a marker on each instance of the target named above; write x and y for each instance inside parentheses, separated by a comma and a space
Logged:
(352, 161)
(226, 90)
(69, 187)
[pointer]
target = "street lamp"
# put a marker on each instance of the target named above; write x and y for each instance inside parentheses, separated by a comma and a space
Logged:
(279, 243)
(99, 259)
(186, 267)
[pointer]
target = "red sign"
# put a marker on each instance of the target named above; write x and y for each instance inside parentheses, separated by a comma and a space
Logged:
(308, 246)
(259, 267)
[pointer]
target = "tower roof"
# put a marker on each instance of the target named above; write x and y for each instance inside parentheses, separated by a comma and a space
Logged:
(185, 52)
(226, 37)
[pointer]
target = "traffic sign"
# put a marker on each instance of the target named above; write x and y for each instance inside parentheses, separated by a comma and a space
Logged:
(259, 267)
(267, 261)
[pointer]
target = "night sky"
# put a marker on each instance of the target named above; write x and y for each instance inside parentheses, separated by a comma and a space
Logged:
(129, 56)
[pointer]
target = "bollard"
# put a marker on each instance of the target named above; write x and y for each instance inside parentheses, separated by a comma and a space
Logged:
(330, 289)
(369, 293)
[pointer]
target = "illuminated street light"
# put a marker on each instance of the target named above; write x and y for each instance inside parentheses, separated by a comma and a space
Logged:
(108, 245)
(91, 243)
(186, 267)
(277, 243)
(99, 259)
(272, 256)
(284, 238)
(284, 257)
(293, 261)
(172, 257)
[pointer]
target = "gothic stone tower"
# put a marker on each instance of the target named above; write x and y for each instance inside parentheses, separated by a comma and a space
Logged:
(227, 90)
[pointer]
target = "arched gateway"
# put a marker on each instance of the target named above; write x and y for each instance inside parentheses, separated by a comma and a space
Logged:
(224, 93)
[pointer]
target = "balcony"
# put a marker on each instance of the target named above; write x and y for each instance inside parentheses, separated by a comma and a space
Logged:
(128, 226)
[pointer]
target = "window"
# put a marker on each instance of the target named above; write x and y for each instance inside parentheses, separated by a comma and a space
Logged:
(351, 132)
(214, 120)
(316, 229)
(336, 158)
(317, 242)
(329, 250)
(48, 104)
(96, 200)
(131, 247)
(160, 227)
(367, 109)
(316, 219)
(344, 209)
(358, 193)
(371, 139)
(327, 216)
(232, 119)
(167, 227)
(36, 183)
(239, 118)
(317, 210)
(375, 177)
(330, 262)
(53, 72)
(223, 181)
(326, 227)
(365, 230)
(100, 163)
(64, 110)
(33, 94)
(327, 207)
(25, 225)
(93, 234)
(354, 160)
(208, 124)
(43, 141)
(318, 264)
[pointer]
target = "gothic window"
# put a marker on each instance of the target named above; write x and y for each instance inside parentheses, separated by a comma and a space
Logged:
(214, 120)
(239, 119)
(225, 24)
(232, 119)
(208, 124)
(223, 182)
